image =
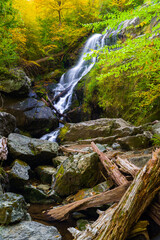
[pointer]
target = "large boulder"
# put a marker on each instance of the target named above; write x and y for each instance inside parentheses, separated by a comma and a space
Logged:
(100, 128)
(18, 175)
(76, 172)
(138, 141)
(29, 230)
(39, 194)
(33, 116)
(14, 80)
(12, 208)
(31, 150)
(7, 123)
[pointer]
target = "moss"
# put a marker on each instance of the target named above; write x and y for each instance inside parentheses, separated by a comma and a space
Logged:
(6, 74)
(63, 132)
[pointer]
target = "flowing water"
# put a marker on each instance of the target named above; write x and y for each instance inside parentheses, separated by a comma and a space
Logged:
(69, 79)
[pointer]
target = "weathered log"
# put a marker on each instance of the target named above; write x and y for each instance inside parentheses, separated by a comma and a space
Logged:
(134, 202)
(110, 167)
(3, 149)
(127, 166)
(68, 150)
(61, 213)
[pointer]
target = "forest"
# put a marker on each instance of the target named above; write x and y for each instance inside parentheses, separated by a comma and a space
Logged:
(80, 119)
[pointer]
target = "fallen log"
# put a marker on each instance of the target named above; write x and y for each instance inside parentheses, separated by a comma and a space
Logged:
(127, 167)
(134, 202)
(110, 167)
(3, 149)
(68, 150)
(61, 213)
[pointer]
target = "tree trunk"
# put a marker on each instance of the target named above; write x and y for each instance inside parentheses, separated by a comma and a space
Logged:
(3, 149)
(110, 167)
(126, 214)
(62, 213)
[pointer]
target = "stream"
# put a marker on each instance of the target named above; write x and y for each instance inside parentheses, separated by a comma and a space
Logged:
(69, 80)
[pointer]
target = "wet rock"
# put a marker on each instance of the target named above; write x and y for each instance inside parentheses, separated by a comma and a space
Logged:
(98, 129)
(7, 124)
(19, 174)
(12, 208)
(140, 161)
(78, 215)
(85, 193)
(14, 80)
(76, 172)
(156, 128)
(81, 224)
(33, 116)
(45, 173)
(116, 146)
(29, 230)
(31, 150)
(58, 160)
(138, 141)
(101, 147)
(39, 194)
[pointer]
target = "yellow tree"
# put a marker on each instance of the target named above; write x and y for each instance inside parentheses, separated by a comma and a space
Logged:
(55, 6)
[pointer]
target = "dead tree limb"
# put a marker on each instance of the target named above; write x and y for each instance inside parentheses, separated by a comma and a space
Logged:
(68, 150)
(134, 202)
(127, 166)
(3, 149)
(110, 167)
(61, 213)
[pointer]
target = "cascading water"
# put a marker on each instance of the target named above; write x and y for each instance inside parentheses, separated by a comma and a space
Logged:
(69, 79)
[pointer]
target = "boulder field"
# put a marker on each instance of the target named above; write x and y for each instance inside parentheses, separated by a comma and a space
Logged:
(41, 172)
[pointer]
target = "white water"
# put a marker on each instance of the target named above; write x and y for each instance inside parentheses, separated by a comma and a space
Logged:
(75, 74)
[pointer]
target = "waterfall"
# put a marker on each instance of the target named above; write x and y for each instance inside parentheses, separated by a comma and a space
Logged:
(69, 79)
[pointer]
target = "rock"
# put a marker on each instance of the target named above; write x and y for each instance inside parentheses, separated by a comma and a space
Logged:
(45, 173)
(76, 172)
(12, 208)
(101, 147)
(33, 116)
(7, 124)
(140, 161)
(81, 224)
(31, 150)
(58, 160)
(39, 194)
(78, 215)
(138, 141)
(14, 80)
(98, 129)
(18, 175)
(29, 230)
(116, 146)
(85, 193)
(156, 128)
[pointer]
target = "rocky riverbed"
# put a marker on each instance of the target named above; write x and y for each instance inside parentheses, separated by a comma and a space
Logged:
(40, 172)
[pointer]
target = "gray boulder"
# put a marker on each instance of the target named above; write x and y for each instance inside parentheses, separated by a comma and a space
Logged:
(18, 174)
(45, 173)
(7, 124)
(100, 128)
(39, 194)
(29, 230)
(33, 116)
(76, 172)
(14, 80)
(31, 150)
(138, 141)
(12, 208)
(156, 128)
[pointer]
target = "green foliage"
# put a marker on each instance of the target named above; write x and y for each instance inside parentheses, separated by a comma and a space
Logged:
(126, 83)
(156, 140)
(7, 21)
